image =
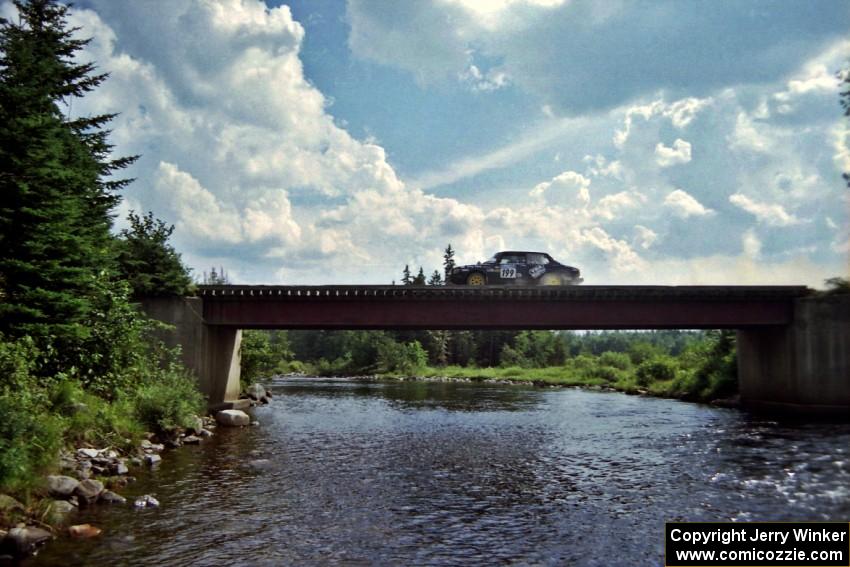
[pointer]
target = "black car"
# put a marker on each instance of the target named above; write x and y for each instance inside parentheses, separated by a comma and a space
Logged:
(516, 268)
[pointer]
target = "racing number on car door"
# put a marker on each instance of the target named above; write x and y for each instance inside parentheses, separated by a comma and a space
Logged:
(507, 272)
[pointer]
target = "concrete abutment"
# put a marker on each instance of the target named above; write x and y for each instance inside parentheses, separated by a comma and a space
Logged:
(801, 368)
(210, 352)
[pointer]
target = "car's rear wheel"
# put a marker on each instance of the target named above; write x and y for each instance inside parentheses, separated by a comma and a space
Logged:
(475, 279)
(550, 279)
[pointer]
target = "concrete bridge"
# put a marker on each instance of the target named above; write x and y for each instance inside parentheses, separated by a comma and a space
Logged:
(793, 345)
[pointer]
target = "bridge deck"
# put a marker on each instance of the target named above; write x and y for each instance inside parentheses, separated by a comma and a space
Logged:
(459, 307)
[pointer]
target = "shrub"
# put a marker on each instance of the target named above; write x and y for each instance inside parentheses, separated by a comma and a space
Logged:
(169, 401)
(401, 358)
(618, 360)
(29, 443)
(655, 369)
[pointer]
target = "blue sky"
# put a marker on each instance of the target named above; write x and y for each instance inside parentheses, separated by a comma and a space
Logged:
(318, 141)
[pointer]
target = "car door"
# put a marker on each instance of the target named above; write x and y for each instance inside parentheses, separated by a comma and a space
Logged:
(512, 269)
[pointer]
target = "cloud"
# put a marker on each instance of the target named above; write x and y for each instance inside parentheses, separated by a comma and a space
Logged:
(567, 188)
(684, 205)
(644, 237)
(680, 152)
(580, 55)
(770, 214)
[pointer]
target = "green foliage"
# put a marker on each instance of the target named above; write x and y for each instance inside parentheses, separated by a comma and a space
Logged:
(400, 358)
(168, 401)
(29, 442)
(56, 188)
(641, 351)
(619, 360)
(264, 353)
(837, 286)
(216, 277)
(148, 262)
(92, 419)
(657, 369)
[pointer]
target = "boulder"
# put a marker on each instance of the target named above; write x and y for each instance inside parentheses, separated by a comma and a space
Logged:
(151, 460)
(61, 486)
(84, 531)
(256, 392)
(88, 491)
(58, 510)
(86, 453)
(110, 497)
(119, 468)
(191, 440)
(146, 501)
(232, 418)
(20, 542)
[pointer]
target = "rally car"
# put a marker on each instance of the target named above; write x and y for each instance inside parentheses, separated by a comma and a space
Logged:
(516, 268)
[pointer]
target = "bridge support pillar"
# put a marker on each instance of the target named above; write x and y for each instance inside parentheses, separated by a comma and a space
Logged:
(803, 368)
(210, 352)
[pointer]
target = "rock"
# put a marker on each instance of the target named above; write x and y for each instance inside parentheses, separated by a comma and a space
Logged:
(206, 433)
(110, 497)
(58, 510)
(155, 447)
(232, 418)
(10, 505)
(88, 453)
(256, 392)
(120, 468)
(191, 440)
(112, 454)
(20, 542)
(151, 460)
(146, 501)
(255, 423)
(88, 491)
(135, 461)
(84, 531)
(196, 426)
(60, 486)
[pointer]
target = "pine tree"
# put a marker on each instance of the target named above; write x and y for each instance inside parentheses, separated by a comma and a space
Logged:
(405, 278)
(147, 261)
(436, 279)
(420, 277)
(54, 179)
(448, 262)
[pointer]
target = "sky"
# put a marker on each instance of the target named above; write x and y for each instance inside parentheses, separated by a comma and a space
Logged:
(328, 142)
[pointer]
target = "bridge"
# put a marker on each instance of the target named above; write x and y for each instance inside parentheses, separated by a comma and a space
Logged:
(793, 345)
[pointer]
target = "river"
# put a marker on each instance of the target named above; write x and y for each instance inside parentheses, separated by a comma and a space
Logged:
(341, 472)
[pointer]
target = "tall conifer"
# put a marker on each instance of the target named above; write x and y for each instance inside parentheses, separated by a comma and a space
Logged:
(56, 193)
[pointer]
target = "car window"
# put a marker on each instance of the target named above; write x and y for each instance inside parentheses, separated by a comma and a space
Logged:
(492, 260)
(512, 259)
(539, 259)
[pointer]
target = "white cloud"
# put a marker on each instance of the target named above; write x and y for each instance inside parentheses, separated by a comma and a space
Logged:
(751, 244)
(684, 205)
(610, 206)
(568, 188)
(644, 237)
(680, 152)
(771, 214)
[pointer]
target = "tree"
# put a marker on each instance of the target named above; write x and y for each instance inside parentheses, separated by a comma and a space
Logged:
(844, 98)
(216, 278)
(436, 279)
(148, 262)
(55, 181)
(420, 277)
(405, 278)
(448, 261)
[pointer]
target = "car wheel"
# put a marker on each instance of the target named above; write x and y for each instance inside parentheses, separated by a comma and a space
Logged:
(550, 279)
(475, 279)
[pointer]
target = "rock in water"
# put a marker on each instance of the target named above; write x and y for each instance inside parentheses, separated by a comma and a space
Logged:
(256, 392)
(20, 542)
(88, 491)
(61, 486)
(146, 501)
(84, 531)
(112, 498)
(152, 459)
(232, 418)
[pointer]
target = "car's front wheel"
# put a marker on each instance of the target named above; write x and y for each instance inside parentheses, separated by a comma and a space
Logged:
(475, 279)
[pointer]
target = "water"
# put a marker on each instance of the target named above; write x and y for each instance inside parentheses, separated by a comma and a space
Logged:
(349, 473)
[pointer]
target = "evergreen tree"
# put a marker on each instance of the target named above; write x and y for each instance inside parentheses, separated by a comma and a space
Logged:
(420, 277)
(148, 262)
(55, 182)
(448, 261)
(436, 279)
(405, 278)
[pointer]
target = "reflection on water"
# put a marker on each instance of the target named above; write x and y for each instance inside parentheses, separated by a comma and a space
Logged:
(354, 473)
